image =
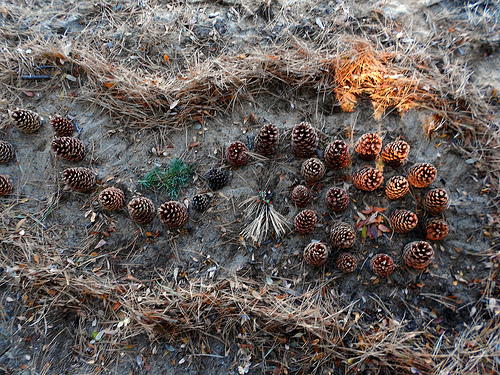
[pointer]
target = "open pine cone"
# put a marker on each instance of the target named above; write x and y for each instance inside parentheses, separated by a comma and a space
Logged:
(395, 153)
(337, 199)
(112, 198)
(368, 146)
(346, 262)
(141, 210)
(201, 202)
(418, 254)
(305, 221)
(216, 179)
(27, 121)
(173, 214)
(312, 170)
(316, 254)
(382, 265)
(69, 148)
(403, 221)
(304, 140)
(301, 195)
(367, 179)
(79, 179)
(436, 229)
(337, 154)
(237, 154)
(436, 201)
(6, 152)
(5, 185)
(343, 235)
(62, 126)
(266, 141)
(397, 187)
(422, 175)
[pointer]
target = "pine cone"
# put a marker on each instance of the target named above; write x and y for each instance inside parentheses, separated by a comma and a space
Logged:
(173, 214)
(397, 187)
(343, 235)
(5, 185)
(436, 229)
(62, 126)
(26, 120)
(6, 152)
(316, 254)
(216, 179)
(79, 179)
(367, 178)
(301, 195)
(337, 199)
(201, 202)
(382, 265)
(337, 154)
(141, 210)
(418, 254)
(436, 201)
(368, 146)
(69, 148)
(304, 140)
(395, 153)
(422, 175)
(346, 262)
(403, 221)
(312, 170)
(305, 221)
(112, 198)
(237, 154)
(267, 140)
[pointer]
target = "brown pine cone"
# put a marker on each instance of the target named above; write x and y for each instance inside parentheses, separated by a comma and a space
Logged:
(201, 202)
(337, 199)
(316, 254)
(346, 262)
(382, 265)
(79, 179)
(6, 152)
(304, 140)
(26, 120)
(368, 146)
(5, 185)
(403, 221)
(343, 235)
(305, 221)
(337, 154)
(173, 214)
(301, 195)
(312, 170)
(112, 198)
(237, 154)
(436, 229)
(422, 175)
(397, 187)
(216, 179)
(62, 126)
(69, 148)
(436, 201)
(267, 140)
(418, 254)
(367, 179)
(395, 153)
(141, 210)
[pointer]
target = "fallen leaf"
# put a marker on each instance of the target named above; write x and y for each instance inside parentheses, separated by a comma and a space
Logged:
(166, 58)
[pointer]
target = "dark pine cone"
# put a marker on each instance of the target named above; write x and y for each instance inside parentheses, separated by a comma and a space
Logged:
(337, 199)
(62, 126)
(313, 170)
(436, 201)
(337, 154)
(216, 179)
(6, 152)
(173, 214)
(422, 175)
(267, 140)
(112, 198)
(343, 235)
(403, 221)
(368, 146)
(346, 262)
(367, 178)
(436, 229)
(397, 187)
(237, 154)
(305, 221)
(382, 265)
(301, 195)
(201, 202)
(418, 254)
(5, 185)
(316, 254)
(304, 140)
(79, 179)
(26, 120)
(69, 148)
(395, 153)
(141, 210)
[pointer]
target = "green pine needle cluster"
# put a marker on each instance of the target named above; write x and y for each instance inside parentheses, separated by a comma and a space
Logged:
(171, 180)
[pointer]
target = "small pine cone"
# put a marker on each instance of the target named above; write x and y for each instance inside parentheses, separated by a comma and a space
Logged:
(62, 126)
(337, 154)
(5, 185)
(301, 195)
(418, 254)
(343, 235)
(382, 265)
(267, 140)
(201, 202)
(436, 201)
(395, 153)
(346, 262)
(305, 221)
(69, 148)
(173, 214)
(367, 178)
(6, 152)
(422, 175)
(216, 179)
(316, 254)
(436, 229)
(403, 221)
(112, 198)
(237, 154)
(26, 120)
(304, 140)
(337, 199)
(79, 179)
(141, 210)
(397, 187)
(368, 146)
(312, 170)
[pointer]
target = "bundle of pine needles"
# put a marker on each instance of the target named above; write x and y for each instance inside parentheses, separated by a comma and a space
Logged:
(170, 180)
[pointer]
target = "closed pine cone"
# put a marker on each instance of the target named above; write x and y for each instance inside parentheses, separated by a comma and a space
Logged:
(312, 170)
(395, 153)
(141, 210)
(69, 148)
(304, 140)
(337, 199)
(301, 195)
(403, 221)
(112, 198)
(343, 235)
(6, 152)
(62, 126)
(367, 179)
(173, 214)
(436, 201)
(346, 262)
(79, 179)
(237, 154)
(267, 140)
(337, 154)
(422, 175)
(436, 229)
(5, 185)
(316, 254)
(397, 187)
(305, 221)
(26, 120)
(216, 179)
(201, 202)
(382, 265)
(368, 146)
(418, 254)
